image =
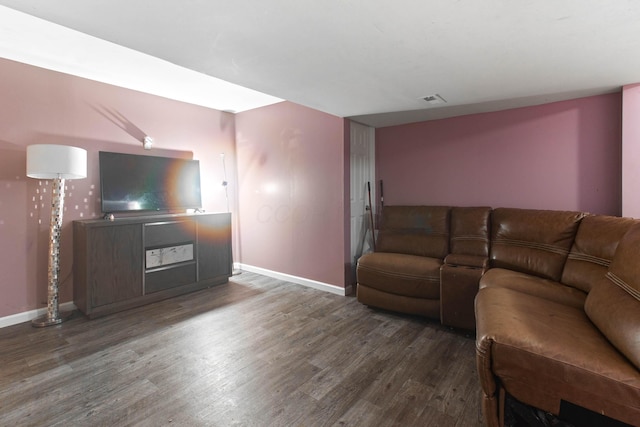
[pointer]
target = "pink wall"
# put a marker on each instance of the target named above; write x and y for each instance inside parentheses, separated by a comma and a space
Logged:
(291, 191)
(564, 155)
(41, 106)
(631, 151)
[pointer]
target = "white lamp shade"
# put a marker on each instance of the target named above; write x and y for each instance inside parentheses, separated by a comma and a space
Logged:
(46, 161)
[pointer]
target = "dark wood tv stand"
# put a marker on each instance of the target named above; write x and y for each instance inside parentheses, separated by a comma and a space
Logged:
(132, 261)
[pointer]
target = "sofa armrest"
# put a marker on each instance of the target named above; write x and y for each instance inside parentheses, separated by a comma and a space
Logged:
(474, 261)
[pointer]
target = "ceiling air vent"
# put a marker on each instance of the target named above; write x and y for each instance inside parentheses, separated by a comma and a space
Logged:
(434, 99)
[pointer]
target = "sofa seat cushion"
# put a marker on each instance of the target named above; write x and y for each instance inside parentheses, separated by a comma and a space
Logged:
(543, 352)
(408, 275)
(533, 285)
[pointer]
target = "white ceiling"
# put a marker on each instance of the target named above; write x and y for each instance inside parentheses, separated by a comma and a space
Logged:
(370, 60)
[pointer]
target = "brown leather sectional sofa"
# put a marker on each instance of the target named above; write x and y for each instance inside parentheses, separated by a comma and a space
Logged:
(557, 299)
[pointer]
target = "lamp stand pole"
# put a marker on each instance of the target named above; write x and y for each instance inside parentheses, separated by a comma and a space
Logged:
(53, 316)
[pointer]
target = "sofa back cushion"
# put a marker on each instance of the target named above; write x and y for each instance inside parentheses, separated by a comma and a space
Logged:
(593, 249)
(415, 230)
(532, 241)
(613, 304)
(470, 231)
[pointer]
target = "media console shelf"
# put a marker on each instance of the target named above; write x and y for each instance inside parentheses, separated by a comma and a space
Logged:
(133, 261)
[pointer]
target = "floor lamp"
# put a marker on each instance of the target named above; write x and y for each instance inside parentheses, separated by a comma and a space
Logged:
(56, 162)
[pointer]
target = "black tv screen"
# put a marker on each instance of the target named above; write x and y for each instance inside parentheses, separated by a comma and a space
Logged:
(131, 182)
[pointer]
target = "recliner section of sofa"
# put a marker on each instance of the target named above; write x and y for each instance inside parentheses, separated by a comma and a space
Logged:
(404, 273)
(428, 262)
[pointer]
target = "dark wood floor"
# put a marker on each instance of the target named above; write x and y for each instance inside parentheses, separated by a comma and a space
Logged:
(254, 352)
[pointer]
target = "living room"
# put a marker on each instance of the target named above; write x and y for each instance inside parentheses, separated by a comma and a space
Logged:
(287, 169)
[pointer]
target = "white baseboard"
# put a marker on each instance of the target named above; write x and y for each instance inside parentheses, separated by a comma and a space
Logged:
(28, 316)
(295, 279)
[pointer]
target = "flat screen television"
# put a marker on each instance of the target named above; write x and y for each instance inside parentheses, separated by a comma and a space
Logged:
(132, 182)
